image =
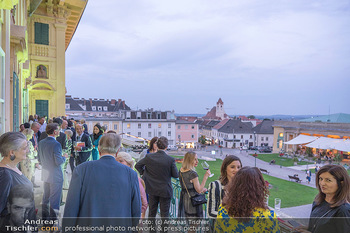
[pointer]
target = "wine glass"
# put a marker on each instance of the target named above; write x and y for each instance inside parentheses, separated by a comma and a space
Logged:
(205, 166)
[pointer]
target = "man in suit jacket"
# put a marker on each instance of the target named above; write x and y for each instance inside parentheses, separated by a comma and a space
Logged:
(50, 154)
(72, 154)
(103, 188)
(157, 170)
(62, 138)
(83, 153)
(36, 136)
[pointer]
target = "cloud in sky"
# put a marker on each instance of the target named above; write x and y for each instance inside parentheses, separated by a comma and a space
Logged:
(260, 57)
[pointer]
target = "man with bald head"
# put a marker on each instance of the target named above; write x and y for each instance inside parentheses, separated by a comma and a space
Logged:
(83, 153)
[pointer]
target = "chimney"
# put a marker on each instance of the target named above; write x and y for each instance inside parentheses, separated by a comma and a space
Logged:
(90, 101)
(84, 102)
(119, 101)
(123, 103)
(113, 101)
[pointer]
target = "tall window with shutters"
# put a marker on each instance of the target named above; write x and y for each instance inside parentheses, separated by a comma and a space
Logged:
(41, 33)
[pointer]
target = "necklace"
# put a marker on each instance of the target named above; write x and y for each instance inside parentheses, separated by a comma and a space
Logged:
(15, 169)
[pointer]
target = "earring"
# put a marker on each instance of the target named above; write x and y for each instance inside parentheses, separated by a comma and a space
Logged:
(12, 157)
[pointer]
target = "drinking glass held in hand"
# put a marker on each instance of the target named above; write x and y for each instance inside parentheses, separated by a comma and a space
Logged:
(205, 166)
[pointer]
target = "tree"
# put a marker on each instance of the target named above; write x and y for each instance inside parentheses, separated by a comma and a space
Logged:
(202, 140)
(251, 117)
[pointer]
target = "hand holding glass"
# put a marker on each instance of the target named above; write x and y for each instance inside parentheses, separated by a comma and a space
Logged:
(205, 166)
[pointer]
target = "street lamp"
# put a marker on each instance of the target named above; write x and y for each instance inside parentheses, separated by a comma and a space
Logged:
(254, 139)
(255, 155)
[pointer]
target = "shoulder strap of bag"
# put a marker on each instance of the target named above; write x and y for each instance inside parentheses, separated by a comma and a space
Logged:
(185, 184)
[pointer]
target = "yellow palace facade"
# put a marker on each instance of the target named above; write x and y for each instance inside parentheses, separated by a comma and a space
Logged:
(34, 35)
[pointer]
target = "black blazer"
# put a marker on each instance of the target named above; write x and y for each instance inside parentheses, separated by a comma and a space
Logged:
(85, 151)
(157, 170)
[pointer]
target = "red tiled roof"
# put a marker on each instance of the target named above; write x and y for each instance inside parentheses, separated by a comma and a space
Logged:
(222, 123)
(211, 114)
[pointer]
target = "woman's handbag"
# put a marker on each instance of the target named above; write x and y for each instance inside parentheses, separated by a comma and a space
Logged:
(198, 198)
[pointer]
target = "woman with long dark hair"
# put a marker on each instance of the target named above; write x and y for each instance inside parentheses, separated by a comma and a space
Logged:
(95, 138)
(244, 207)
(230, 166)
(331, 208)
(152, 148)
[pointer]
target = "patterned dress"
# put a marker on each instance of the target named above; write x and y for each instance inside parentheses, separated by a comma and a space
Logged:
(262, 221)
(28, 165)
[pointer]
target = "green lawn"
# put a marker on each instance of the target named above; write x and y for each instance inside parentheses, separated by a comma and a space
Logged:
(291, 193)
(286, 162)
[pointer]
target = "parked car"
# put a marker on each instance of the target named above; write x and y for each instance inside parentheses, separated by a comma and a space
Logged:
(265, 150)
(253, 148)
(172, 147)
(244, 148)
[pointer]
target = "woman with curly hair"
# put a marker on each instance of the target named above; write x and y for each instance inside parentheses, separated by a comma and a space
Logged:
(244, 208)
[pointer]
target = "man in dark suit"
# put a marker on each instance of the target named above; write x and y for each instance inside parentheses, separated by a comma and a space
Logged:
(102, 189)
(72, 154)
(82, 153)
(157, 170)
(50, 154)
(36, 136)
(62, 138)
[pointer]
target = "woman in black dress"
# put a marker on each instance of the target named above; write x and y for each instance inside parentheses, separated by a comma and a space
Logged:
(331, 208)
(190, 186)
(14, 148)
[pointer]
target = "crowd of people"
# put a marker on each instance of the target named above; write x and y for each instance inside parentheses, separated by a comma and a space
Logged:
(108, 184)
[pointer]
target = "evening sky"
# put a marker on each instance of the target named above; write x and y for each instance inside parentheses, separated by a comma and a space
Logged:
(260, 57)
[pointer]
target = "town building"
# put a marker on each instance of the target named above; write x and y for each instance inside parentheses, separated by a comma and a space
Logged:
(233, 133)
(186, 134)
(80, 107)
(285, 131)
(263, 133)
(217, 112)
(34, 36)
(206, 127)
(149, 123)
(255, 122)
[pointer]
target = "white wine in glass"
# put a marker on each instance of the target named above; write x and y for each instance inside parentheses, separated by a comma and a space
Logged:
(205, 166)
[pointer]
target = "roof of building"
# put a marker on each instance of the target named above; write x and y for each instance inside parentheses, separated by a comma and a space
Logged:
(211, 114)
(220, 101)
(236, 126)
(221, 124)
(265, 127)
(187, 118)
(78, 104)
(333, 118)
(184, 122)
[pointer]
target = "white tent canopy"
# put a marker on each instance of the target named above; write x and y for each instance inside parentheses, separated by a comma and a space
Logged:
(301, 139)
(342, 145)
(323, 143)
(330, 144)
